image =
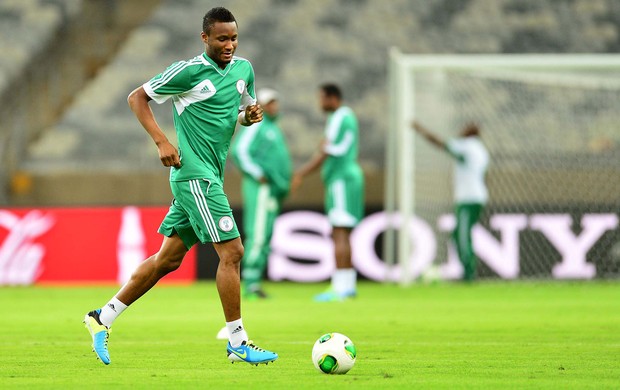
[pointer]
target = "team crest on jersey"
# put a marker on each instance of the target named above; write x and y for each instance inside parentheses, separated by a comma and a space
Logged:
(226, 223)
(241, 86)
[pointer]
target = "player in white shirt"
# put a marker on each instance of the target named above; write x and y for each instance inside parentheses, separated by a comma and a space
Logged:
(470, 191)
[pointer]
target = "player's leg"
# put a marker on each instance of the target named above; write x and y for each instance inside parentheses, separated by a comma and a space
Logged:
(466, 217)
(256, 202)
(179, 237)
(345, 208)
(459, 237)
(273, 210)
(227, 277)
(98, 322)
(216, 220)
(342, 247)
(239, 348)
(475, 211)
(149, 272)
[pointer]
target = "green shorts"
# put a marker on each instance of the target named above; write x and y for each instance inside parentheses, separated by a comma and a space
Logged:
(199, 212)
(344, 201)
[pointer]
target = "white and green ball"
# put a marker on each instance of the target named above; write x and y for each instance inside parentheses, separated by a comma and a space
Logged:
(334, 353)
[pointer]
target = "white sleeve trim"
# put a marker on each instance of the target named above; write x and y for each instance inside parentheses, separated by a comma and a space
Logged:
(246, 99)
(159, 99)
(246, 162)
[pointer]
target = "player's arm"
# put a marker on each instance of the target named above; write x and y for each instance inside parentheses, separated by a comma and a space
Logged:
(432, 138)
(138, 101)
(249, 112)
(340, 149)
(312, 165)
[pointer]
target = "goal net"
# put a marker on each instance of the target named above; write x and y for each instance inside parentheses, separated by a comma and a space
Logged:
(551, 124)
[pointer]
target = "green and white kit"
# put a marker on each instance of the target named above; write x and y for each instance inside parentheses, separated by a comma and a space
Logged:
(206, 102)
(340, 172)
(260, 152)
(470, 195)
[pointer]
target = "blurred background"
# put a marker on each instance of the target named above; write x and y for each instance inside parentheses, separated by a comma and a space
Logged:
(68, 138)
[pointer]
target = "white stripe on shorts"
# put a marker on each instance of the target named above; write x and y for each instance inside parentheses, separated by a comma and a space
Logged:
(338, 215)
(203, 208)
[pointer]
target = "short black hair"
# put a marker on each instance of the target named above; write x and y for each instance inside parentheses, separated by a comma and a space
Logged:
(331, 89)
(217, 14)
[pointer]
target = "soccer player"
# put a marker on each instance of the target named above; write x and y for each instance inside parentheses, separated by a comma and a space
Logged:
(344, 185)
(210, 93)
(470, 191)
(261, 153)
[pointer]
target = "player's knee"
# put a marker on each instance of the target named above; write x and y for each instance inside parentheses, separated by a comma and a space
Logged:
(237, 254)
(233, 255)
(168, 263)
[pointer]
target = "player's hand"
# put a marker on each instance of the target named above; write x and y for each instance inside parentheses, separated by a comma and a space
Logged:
(168, 155)
(253, 114)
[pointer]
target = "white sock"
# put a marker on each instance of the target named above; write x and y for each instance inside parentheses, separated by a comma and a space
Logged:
(110, 311)
(344, 280)
(236, 333)
(350, 280)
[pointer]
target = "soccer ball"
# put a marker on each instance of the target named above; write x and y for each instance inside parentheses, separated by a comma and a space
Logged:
(333, 353)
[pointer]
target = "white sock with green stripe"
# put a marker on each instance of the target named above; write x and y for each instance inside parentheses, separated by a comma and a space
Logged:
(110, 311)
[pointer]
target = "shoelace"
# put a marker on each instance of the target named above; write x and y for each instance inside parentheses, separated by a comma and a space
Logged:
(107, 336)
(250, 344)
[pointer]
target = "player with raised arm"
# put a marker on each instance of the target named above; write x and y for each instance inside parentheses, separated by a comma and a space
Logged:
(470, 191)
(210, 93)
(344, 184)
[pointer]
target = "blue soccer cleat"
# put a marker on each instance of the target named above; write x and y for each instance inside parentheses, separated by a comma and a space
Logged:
(250, 353)
(100, 334)
(332, 296)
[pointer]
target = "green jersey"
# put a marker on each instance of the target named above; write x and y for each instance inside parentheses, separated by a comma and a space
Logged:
(342, 135)
(261, 151)
(206, 103)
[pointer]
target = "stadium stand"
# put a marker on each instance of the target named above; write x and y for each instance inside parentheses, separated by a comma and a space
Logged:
(97, 147)
(27, 29)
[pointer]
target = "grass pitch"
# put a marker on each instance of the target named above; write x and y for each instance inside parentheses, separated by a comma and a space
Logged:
(486, 335)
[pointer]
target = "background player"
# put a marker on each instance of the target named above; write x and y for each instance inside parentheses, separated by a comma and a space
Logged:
(470, 191)
(261, 153)
(344, 186)
(210, 93)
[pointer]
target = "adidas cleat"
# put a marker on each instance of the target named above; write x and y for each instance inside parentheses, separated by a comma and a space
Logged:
(249, 353)
(100, 334)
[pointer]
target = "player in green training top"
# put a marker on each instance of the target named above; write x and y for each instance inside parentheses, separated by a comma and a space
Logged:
(210, 93)
(261, 153)
(344, 187)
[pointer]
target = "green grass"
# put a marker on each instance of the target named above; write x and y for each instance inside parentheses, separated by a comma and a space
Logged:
(492, 335)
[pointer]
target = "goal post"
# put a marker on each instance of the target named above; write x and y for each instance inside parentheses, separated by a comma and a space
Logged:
(552, 126)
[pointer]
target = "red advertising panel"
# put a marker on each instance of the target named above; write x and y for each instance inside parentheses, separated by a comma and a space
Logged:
(77, 245)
